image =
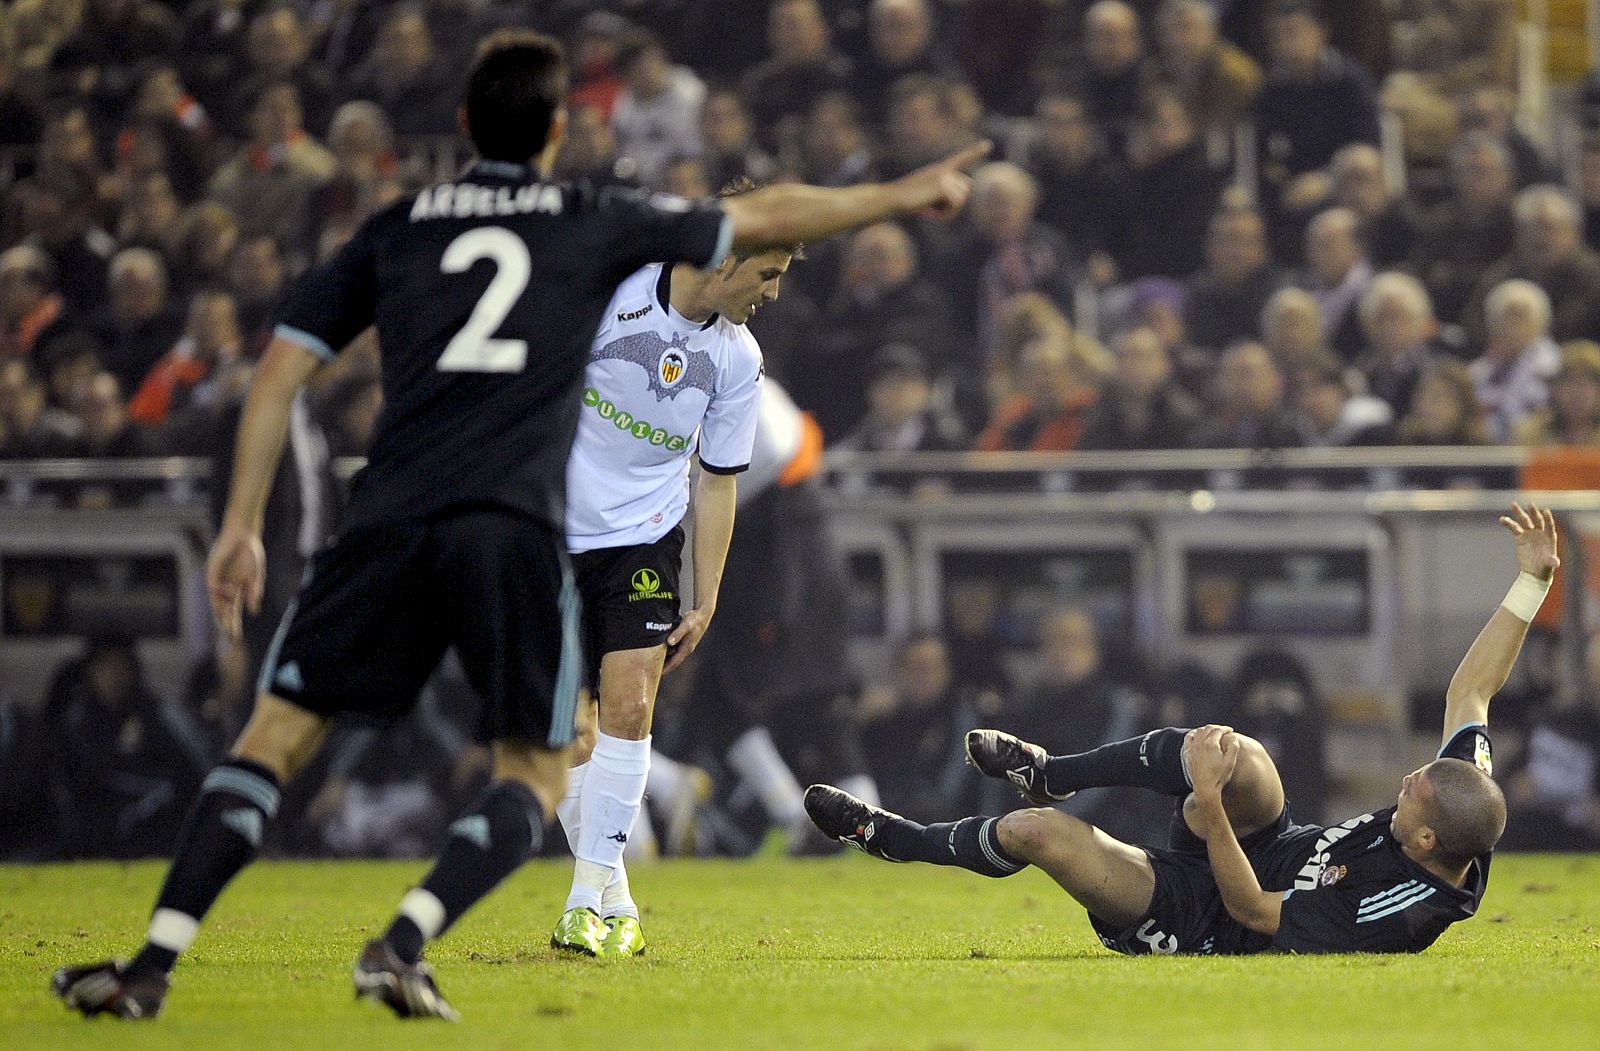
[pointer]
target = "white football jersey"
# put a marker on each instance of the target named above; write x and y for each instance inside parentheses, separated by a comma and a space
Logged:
(658, 388)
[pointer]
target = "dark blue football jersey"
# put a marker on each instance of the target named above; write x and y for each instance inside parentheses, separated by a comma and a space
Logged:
(486, 293)
(1357, 891)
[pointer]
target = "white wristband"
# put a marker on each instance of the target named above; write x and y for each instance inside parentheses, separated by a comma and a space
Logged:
(1526, 596)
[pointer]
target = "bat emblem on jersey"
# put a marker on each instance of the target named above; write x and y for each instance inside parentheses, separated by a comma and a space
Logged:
(672, 366)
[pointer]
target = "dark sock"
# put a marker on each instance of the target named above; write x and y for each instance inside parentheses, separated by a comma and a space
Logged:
(237, 800)
(973, 843)
(502, 830)
(1154, 761)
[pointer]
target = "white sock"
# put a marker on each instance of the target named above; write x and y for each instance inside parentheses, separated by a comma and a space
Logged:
(756, 759)
(618, 898)
(567, 810)
(613, 791)
(863, 787)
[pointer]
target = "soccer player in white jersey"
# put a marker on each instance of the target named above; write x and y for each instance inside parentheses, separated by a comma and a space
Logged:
(673, 373)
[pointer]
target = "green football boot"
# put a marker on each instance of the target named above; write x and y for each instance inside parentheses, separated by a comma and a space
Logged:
(580, 930)
(624, 937)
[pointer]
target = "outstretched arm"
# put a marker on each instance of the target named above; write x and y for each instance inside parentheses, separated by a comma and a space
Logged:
(1485, 668)
(1211, 765)
(788, 214)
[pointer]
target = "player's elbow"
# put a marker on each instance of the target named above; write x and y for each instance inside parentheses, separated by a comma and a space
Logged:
(1260, 915)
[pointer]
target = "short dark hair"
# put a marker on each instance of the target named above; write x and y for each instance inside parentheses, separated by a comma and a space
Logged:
(1467, 813)
(517, 83)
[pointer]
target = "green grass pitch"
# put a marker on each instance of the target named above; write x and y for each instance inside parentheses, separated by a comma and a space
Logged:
(835, 954)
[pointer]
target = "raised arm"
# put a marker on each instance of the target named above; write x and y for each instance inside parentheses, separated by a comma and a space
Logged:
(1483, 671)
(787, 214)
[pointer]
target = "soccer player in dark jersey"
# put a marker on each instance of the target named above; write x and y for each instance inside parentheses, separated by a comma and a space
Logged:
(1237, 876)
(486, 292)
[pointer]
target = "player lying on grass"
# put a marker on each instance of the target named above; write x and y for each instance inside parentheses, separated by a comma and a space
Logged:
(1236, 875)
(673, 373)
(486, 292)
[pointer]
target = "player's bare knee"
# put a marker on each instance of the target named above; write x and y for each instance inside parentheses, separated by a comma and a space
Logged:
(542, 768)
(626, 716)
(1027, 834)
(280, 736)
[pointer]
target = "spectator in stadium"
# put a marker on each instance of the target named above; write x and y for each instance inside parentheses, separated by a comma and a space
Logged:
(803, 67)
(1472, 229)
(686, 177)
(1453, 45)
(1513, 375)
(595, 80)
(168, 130)
(1397, 320)
(1249, 406)
(912, 730)
(106, 432)
(58, 217)
(901, 415)
(68, 363)
(1315, 99)
(1074, 701)
(1444, 408)
(1225, 298)
(207, 237)
(901, 40)
(405, 75)
(1140, 407)
(1004, 252)
(836, 152)
(657, 116)
(114, 38)
(921, 127)
(1170, 191)
(150, 214)
(1337, 274)
(1109, 76)
(186, 391)
(1573, 415)
(270, 184)
(1553, 795)
(1549, 251)
(278, 51)
(32, 428)
(589, 152)
(32, 312)
(1589, 189)
(123, 764)
(1161, 304)
(366, 170)
(1213, 78)
(731, 152)
(1080, 192)
(256, 276)
(1291, 328)
(881, 299)
(1055, 382)
(1490, 109)
(138, 323)
(1331, 415)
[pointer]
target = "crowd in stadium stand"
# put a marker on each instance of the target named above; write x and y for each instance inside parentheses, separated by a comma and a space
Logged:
(1191, 235)
(173, 165)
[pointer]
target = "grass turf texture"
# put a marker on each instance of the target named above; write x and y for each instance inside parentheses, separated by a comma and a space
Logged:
(842, 953)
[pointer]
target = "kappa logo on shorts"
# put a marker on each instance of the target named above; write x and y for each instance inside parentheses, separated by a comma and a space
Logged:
(647, 585)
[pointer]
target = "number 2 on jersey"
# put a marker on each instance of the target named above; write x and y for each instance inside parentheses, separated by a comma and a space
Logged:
(475, 348)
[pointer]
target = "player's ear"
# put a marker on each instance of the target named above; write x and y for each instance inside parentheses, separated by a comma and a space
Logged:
(461, 121)
(558, 132)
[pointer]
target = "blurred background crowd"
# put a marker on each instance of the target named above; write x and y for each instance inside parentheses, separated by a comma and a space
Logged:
(1222, 224)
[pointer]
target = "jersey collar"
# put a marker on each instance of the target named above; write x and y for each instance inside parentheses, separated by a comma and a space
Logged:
(664, 296)
(503, 170)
